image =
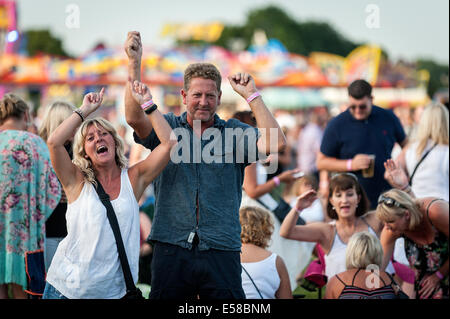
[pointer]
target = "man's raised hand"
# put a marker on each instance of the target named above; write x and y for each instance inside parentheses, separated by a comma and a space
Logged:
(243, 84)
(133, 46)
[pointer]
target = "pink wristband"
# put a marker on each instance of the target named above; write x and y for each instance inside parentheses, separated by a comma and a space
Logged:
(439, 275)
(253, 96)
(276, 180)
(147, 104)
(349, 165)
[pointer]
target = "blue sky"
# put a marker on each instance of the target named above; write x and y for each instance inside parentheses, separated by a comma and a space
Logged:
(407, 29)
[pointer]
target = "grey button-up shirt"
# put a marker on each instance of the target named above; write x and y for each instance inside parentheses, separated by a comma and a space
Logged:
(208, 171)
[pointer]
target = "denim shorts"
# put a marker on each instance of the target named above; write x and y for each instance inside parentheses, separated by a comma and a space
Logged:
(50, 292)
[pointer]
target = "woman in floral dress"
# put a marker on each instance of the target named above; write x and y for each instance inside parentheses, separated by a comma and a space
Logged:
(424, 224)
(29, 191)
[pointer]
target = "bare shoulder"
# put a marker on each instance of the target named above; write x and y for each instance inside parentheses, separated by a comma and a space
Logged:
(328, 230)
(74, 190)
(372, 219)
(434, 205)
(252, 253)
(334, 286)
(133, 172)
(437, 210)
(280, 263)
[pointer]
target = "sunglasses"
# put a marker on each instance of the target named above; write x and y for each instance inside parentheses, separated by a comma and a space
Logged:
(362, 107)
(389, 202)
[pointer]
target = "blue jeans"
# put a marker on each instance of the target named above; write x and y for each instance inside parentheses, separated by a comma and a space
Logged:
(50, 292)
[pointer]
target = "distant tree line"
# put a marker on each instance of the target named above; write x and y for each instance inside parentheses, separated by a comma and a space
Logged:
(298, 37)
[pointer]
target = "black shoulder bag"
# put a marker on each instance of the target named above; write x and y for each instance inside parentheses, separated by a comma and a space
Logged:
(132, 291)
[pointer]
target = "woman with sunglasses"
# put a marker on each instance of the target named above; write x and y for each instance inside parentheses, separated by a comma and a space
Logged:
(424, 225)
(347, 206)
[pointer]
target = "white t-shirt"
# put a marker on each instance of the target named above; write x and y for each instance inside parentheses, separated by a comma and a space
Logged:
(86, 263)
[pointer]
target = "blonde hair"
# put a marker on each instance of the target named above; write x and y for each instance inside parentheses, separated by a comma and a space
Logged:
(433, 125)
(85, 165)
(363, 249)
(256, 226)
(54, 116)
(388, 214)
(12, 106)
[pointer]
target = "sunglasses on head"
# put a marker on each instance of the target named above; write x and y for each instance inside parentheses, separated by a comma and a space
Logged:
(362, 107)
(346, 174)
(389, 202)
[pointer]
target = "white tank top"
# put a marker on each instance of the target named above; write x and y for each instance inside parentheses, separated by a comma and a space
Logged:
(86, 263)
(265, 276)
(335, 259)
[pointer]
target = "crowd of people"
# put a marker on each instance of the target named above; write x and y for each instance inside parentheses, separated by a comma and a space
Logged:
(238, 204)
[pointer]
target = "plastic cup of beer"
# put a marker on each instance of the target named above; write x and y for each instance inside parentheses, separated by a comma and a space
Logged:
(369, 172)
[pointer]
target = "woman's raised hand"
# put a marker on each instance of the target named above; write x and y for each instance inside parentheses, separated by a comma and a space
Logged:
(305, 200)
(140, 92)
(91, 102)
(395, 175)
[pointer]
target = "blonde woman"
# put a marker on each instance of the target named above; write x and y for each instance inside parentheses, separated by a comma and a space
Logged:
(86, 263)
(423, 223)
(264, 274)
(363, 278)
(429, 177)
(55, 225)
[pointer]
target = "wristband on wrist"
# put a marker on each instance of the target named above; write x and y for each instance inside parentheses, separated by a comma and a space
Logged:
(80, 114)
(276, 180)
(147, 104)
(253, 96)
(439, 275)
(349, 164)
(150, 109)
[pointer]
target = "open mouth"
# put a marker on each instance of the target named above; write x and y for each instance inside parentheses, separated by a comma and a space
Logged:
(102, 149)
